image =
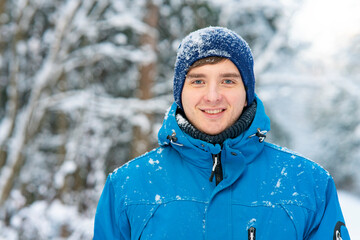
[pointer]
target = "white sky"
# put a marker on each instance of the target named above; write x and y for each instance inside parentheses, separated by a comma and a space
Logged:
(327, 24)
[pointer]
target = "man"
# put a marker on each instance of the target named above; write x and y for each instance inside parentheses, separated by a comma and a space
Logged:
(214, 176)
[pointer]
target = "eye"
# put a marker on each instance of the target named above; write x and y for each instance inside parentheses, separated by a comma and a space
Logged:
(197, 82)
(228, 81)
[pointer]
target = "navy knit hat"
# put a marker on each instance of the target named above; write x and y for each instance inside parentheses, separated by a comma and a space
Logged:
(209, 42)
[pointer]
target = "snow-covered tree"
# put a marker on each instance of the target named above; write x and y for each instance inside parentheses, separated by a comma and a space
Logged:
(337, 115)
(83, 89)
(69, 80)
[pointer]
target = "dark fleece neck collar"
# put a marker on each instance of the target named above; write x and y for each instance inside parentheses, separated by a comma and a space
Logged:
(233, 131)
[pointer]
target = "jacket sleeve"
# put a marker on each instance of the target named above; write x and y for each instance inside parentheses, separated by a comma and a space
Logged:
(107, 224)
(328, 220)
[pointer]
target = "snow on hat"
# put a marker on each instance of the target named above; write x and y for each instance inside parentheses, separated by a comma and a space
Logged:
(214, 41)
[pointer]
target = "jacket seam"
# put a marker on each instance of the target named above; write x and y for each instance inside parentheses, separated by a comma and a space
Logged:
(291, 217)
(275, 204)
(126, 205)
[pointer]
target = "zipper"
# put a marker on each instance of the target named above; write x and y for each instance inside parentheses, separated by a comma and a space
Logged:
(337, 231)
(216, 169)
(338, 235)
(252, 233)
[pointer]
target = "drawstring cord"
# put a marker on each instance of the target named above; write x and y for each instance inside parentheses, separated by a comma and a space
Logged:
(216, 169)
(173, 139)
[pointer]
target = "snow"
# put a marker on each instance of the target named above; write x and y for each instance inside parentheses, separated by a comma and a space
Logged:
(181, 120)
(350, 205)
(158, 199)
(99, 121)
(59, 213)
(327, 28)
(143, 122)
(67, 168)
(251, 223)
(278, 184)
(45, 219)
(152, 161)
(5, 125)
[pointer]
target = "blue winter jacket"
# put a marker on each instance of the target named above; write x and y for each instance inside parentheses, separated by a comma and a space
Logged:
(267, 192)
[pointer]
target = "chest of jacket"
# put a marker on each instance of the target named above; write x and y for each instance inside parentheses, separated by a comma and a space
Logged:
(177, 201)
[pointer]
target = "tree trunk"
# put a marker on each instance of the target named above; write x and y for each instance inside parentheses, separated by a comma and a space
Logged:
(141, 139)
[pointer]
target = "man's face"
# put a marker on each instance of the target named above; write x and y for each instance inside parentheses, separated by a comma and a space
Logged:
(213, 96)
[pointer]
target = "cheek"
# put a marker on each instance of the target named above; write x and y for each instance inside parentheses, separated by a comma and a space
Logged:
(186, 101)
(238, 104)
(236, 99)
(184, 98)
(189, 98)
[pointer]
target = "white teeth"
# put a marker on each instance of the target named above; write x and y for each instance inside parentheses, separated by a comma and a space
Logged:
(213, 111)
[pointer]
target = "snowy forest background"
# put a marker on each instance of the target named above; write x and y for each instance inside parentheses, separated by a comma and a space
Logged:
(84, 86)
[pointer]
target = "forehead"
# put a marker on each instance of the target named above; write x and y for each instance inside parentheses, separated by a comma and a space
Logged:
(223, 66)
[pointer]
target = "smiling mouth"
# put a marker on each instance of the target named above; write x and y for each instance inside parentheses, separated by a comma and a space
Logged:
(213, 111)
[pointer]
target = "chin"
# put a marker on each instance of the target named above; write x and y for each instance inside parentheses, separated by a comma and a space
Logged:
(213, 132)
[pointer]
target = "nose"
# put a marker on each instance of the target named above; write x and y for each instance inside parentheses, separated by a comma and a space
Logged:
(213, 93)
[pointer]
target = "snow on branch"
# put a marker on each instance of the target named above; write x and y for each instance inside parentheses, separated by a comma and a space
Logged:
(105, 106)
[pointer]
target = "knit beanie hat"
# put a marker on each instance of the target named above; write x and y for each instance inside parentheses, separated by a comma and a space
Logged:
(214, 41)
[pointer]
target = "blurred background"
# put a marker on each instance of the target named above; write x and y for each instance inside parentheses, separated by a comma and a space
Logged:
(84, 86)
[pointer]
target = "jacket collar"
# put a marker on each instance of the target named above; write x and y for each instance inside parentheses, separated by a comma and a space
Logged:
(199, 152)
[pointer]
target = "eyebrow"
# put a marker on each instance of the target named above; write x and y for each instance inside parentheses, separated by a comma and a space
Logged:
(232, 75)
(195, 75)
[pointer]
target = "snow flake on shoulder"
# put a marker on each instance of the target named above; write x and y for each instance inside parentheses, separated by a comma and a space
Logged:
(158, 199)
(284, 149)
(301, 161)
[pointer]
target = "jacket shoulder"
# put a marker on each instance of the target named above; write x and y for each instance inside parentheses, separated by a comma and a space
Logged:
(297, 176)
(142, 173)
(292, 158)
(147, 160)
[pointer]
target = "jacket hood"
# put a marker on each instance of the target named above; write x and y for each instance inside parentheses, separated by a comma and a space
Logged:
(249, 142)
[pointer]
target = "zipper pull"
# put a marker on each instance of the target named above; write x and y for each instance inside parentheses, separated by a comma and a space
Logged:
(252, 233)
(338, 235)
(215, 158)
(337, 230)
